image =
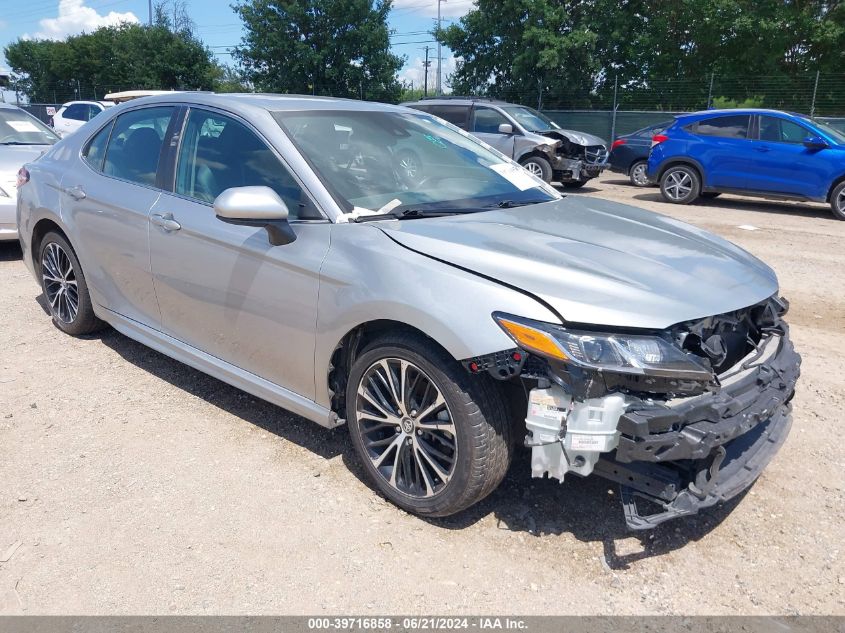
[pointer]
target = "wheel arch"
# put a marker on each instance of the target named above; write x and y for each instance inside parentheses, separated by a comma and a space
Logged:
(834, 185)
(681, 160)
(348, 348)
(39, 230)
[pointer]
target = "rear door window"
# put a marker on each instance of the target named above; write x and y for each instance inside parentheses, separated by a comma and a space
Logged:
(95, 151)
(731, 126)
(454, 114)
(77, 112)
(135, 144)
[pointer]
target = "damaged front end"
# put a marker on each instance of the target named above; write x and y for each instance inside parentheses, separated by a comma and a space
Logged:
(681, 419)
(576, 157)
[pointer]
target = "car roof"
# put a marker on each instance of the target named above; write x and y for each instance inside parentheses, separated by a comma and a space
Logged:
(459, 101)
(739, 111)
(8, 106)
(267, 101)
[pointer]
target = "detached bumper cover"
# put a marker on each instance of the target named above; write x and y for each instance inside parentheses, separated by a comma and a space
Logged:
(700, 451)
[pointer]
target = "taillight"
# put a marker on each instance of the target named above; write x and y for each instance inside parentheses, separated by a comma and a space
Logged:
(23, 177)
(657, 139)
(617, 143)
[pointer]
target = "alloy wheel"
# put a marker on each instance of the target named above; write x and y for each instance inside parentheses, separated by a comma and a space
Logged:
(60, 285)
(534, 168)
(638, 174)
(678, 185)
(840, 202)
(406, 427)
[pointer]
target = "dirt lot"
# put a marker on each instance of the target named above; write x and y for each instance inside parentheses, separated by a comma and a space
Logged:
(132, 484)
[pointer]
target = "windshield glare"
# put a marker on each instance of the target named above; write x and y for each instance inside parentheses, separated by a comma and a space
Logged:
(530, 119)
(394, 161)
(19, 128)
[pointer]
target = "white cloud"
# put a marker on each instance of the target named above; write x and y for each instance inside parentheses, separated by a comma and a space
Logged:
(428, 8)
(74, 17)
(414, 72)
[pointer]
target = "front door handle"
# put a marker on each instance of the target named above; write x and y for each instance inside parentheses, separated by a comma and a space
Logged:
(763, 148)
(76, 192)
(165, 221)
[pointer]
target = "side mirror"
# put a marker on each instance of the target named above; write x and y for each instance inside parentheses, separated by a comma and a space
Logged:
(505, 128)
(256, 206)
(815, 142)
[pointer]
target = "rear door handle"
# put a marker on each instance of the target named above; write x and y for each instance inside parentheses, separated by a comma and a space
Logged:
(763, 148)
(165, 221)
(76, 192)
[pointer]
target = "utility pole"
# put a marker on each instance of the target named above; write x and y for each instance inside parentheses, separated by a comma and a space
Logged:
(150, 8)
(439, 50)
(815, 90)
(710, 92)
(426, 65)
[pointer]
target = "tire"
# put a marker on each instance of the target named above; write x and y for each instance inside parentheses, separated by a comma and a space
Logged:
(837, 201)
(709, 195)
(575, 184)
(539, 167)
(637, 173)
(472, 444)
(680, 184)
(65, 288)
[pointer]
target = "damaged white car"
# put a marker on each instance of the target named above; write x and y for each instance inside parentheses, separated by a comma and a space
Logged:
(449, 318)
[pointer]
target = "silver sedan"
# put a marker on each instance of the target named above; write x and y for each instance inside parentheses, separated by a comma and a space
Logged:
(445, 313)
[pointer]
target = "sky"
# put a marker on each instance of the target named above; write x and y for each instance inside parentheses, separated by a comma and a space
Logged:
(220, 28)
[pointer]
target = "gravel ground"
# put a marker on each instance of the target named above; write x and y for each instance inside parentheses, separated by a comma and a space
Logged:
(131, 484)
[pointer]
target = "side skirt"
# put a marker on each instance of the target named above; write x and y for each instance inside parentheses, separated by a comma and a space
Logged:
(220, 369)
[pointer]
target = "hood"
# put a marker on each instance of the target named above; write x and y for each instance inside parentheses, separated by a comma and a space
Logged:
(598, 262)
(12, 158)
(579, 138)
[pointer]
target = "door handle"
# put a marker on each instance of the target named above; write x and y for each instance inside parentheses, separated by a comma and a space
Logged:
(165, 221)
(763, 148)
(76, 192)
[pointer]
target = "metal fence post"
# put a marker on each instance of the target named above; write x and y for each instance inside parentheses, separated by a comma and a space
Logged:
(615, 105)
(710, 92)
(815, 90)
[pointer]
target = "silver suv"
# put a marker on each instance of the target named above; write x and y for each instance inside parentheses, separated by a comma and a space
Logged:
(447, 318)
(529, 137)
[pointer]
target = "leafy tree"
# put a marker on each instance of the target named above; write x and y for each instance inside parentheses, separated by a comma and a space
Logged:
(112, 58)
(324, 47)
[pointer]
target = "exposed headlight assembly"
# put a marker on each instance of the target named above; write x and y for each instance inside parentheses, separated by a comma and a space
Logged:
(614, 352)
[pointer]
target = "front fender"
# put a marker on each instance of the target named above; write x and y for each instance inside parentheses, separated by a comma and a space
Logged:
(368, 277)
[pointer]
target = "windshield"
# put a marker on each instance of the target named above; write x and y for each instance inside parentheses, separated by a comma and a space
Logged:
(836, 135)
(393, 161)
(20, 128)
(530, 119)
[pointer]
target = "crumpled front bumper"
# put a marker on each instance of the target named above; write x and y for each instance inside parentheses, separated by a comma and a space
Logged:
(695, 452)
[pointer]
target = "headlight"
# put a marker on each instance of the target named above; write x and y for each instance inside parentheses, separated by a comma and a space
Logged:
(621, 353)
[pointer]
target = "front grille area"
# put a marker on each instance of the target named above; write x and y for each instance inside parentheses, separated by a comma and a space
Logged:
(596, 154)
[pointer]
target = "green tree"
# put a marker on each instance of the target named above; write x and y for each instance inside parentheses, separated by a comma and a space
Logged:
(112, 58)
(325, 47)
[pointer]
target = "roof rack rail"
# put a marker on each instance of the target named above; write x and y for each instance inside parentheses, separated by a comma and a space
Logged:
(463, 98)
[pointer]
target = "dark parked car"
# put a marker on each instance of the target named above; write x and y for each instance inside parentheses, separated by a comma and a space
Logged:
(765, 153)
(629, 153)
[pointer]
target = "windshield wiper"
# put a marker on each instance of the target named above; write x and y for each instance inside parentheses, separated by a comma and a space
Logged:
(510, 204)
(413, 214)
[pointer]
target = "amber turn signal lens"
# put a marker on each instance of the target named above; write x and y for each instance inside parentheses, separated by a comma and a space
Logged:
(532, 339)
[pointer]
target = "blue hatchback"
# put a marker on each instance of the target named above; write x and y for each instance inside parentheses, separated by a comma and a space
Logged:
(763, 153)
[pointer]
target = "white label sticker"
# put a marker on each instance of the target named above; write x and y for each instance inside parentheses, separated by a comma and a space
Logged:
(23, 126)
(515, 175)
(586, 442)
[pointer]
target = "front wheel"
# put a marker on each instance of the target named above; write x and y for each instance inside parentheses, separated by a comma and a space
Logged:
(539, 167)
(65, 288)
(680, 184)
(837, 201)
(433, 438)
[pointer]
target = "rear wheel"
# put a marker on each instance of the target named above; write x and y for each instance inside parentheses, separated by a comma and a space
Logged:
(837, 201)
(432, 438)
(64, 287)
(638, 174)
(539, 167)
(680, 184)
